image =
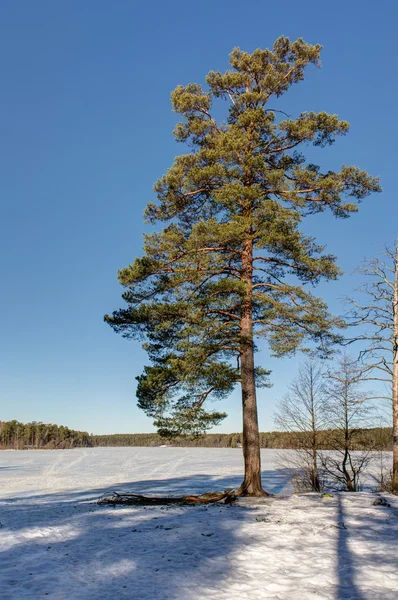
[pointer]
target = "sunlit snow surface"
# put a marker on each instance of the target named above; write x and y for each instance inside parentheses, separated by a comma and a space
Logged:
(56, 542)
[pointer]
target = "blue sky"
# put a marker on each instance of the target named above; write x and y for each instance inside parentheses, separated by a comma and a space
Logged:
(85, 131)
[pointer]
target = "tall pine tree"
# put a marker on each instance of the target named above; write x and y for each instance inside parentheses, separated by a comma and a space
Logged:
(231, 264)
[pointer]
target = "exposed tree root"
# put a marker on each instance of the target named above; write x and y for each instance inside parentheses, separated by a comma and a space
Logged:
(253, 494)
(138, 500)
(252, 487)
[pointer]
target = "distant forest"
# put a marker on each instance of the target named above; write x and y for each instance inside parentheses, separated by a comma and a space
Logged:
(36, 435)
(379, 438)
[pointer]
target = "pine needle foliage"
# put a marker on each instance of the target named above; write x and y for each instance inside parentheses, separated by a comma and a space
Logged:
(231, 265)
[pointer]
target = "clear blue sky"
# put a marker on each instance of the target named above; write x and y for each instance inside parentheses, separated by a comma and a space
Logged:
(85, 130)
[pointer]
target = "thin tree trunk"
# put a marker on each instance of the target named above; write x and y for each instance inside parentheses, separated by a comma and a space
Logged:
(251, 485)
(346, 439)
(395, 380)
(315, 479)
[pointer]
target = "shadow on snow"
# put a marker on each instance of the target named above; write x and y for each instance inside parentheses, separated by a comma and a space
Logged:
(72, 548)
(66, 539)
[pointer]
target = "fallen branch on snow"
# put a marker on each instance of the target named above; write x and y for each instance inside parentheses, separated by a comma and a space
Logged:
(138, 500)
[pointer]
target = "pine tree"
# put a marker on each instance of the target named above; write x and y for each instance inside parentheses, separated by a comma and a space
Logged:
(231, 263)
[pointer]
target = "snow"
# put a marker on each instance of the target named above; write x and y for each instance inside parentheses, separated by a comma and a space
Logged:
(56, 542)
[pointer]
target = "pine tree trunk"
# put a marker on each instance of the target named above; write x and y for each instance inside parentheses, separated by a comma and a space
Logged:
(395, 381)
(251, 485)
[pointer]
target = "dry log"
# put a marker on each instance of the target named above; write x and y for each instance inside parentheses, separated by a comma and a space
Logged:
(114, 498)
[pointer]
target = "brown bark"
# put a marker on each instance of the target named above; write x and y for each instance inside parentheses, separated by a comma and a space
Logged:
(114, 498)
(251, 485)
(395, 380)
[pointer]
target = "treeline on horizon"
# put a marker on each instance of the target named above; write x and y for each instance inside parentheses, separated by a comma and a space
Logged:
(377, 438)
(37, 435)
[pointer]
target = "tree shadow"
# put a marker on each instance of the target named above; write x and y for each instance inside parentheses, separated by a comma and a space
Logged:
(346, 587)
(364, 546)
(66, 546)
(11, 467)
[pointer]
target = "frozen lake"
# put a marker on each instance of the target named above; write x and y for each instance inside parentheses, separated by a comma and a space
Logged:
(157, 470)
(56, 542)
(144, 469)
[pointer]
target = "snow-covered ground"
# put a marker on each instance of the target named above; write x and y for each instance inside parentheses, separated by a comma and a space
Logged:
(56, 542)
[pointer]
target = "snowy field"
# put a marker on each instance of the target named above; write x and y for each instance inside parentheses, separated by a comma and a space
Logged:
(56, 542)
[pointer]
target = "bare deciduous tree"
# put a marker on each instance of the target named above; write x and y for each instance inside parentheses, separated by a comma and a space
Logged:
(377, 315)
(348, 412)
(301, 412)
